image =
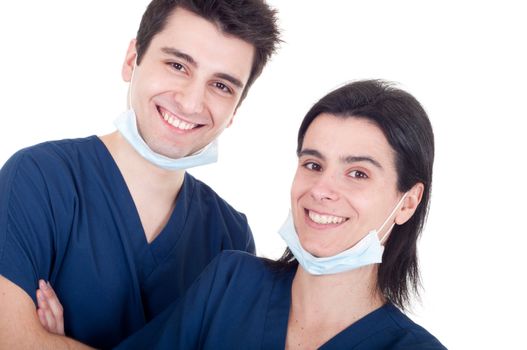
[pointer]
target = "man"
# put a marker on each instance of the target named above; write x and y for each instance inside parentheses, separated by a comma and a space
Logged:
(114, 223)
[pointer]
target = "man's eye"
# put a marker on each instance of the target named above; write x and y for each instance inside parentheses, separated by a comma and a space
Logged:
(357, 174)
(223, 87)
(312, 166)
(177, 66)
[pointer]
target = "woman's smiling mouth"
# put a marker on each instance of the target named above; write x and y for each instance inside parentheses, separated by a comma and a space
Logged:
(324, 219)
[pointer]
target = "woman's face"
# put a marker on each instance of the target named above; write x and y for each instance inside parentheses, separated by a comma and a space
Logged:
(345, 184)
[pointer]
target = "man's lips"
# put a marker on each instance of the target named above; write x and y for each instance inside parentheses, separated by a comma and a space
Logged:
(175, 121)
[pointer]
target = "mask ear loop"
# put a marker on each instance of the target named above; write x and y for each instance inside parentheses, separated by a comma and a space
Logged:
(381, 241)
(388, 218)
(131, 84)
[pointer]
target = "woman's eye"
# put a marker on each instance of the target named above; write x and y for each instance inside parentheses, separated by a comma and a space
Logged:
(312, 166)
(223, 87)
(357, 174)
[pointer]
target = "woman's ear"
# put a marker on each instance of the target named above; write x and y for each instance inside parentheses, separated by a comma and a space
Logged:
(410, 203)
(129, 61)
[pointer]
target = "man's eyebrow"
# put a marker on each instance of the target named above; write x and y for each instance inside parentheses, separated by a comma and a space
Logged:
(355, 159)
(177, 53)
(234, 81)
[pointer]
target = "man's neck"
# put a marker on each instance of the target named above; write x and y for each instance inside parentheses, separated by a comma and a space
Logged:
(154, 190)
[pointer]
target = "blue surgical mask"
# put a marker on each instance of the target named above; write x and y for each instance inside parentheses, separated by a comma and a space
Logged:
(126, 123)
(367, 251)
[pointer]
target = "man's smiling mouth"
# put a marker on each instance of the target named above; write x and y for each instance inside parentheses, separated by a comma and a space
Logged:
(175, 121)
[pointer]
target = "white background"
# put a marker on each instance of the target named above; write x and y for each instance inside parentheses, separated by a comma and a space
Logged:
(465, 61)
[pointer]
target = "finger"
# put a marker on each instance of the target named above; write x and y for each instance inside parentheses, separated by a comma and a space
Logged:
(45, 314)
(55, 307)
(50, 320)
(51, 308)
(46, 317)
(41, 296)
(41, 301)
(42, 319)
(52, 299)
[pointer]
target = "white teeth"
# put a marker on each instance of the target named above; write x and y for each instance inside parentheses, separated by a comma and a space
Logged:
(325, 219)
(177, 123)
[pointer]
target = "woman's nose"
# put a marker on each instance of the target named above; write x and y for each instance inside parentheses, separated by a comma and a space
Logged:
(324, 188)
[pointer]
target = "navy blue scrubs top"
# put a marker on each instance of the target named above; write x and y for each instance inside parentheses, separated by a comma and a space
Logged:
(66, 216)
(241, 302)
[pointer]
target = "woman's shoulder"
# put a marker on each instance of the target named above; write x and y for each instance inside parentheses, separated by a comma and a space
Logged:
(408, 334)
(235, 261)
(234, 265)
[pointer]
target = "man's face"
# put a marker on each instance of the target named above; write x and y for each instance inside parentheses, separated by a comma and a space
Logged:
(188, 84)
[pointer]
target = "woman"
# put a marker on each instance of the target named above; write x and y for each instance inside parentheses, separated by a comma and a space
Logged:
(359, 197)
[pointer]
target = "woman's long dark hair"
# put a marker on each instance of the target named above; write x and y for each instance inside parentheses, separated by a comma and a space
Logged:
(407, 128)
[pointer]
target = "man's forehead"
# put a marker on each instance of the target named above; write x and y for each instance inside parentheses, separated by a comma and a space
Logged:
(202, 44)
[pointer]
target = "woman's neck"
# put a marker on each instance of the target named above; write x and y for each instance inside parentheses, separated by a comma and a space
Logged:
(323, 306)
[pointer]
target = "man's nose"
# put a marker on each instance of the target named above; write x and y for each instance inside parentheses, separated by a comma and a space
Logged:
(190, 98)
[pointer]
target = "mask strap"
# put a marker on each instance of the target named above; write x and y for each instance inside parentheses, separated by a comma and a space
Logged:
(389, 217)
(386, 234)
(131, 84)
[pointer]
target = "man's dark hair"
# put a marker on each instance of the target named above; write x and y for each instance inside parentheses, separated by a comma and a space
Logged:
(250, 20)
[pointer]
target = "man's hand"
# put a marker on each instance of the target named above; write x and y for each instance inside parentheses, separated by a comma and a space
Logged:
(50, 312)
(20, 327)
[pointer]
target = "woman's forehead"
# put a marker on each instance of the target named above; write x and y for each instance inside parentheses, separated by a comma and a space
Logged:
(347, 134)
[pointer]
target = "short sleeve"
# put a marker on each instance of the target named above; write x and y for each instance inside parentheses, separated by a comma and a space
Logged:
(26, 222)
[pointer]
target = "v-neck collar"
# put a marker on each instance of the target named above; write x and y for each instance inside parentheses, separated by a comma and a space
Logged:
(147, 256)
(170, 234)
(362, 329)
(150, 255)
(275, 329)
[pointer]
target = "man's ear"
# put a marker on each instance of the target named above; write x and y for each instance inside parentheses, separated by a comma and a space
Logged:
(410, 204)
(129, 61)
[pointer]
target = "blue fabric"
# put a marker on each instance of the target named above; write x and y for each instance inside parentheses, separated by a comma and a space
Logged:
(66, 216)
(241, 302)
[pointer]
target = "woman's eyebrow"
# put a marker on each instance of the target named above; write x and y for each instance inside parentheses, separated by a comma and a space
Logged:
(311, 152)
(355, 159)
(346, 159)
